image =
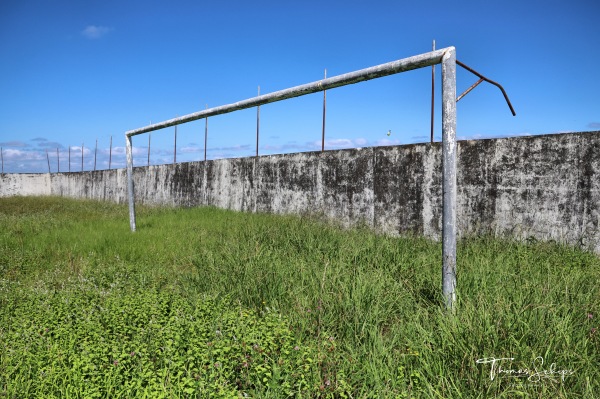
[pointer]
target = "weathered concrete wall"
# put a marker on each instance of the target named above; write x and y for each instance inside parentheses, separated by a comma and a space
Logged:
(547, 187)
(24, 184)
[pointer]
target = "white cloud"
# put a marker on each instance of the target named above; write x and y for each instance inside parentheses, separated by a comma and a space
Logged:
(95, 32)
(14, 144)
(384, 142)
(189, 149)
(339, 143)
(20, 155)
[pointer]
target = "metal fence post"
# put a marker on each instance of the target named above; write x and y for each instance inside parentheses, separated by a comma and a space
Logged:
(432, 93)
(257, 122)
(449, 177)
(324, 112)
(175, 147)
(130, 187)
(205, 134)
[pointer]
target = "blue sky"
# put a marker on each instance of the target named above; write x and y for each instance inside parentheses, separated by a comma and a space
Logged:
(73, 72)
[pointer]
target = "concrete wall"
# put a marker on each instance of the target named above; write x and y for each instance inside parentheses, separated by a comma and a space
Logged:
(547, 187)
(24, 184)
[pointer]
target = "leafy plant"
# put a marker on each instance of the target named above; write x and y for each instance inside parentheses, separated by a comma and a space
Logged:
(210, 303)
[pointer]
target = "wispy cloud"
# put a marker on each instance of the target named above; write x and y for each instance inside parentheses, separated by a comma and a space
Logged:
(243, 147)
(14, 144)
(10, 155)
(96, 32)
(384, 142)
(190, 149)
(50, 144)
(333, 144)
(594, 125)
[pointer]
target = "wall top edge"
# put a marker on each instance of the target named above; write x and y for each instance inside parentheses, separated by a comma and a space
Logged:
(326, 152)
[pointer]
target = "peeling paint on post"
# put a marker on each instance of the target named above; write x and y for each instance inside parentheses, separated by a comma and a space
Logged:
(449, 177)
(130, 189)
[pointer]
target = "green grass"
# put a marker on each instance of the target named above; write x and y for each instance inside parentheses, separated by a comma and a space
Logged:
(211, 303)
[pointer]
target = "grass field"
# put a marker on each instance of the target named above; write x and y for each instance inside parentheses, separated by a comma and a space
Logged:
(211, 303)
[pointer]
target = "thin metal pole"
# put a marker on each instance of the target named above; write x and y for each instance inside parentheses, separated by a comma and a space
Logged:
(432, 93)
(449, 177)
(205, 134)
(48, 159)
(130, 186)
(95, 154)
(2, 157)
(110, 153)
(82, 157)
(57, 161)
(175, 147)
(149, 135)
(69, 159)
(324, 111)
(257, 123)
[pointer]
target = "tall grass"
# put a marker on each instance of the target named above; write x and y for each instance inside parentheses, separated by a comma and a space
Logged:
(360, 313)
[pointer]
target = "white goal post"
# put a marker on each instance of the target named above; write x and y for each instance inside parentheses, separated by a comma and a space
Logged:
(445, 56)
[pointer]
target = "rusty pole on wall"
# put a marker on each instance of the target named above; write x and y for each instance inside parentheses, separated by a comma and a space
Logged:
(82, 157)
(324, 111)
(149, 135)
(57, 161)
(69, 159)
(48, 159)
(449, 178)
(432, 93)
(95, 153)
(257, 123)
(110, 153)
(175, 147)
(205, 134)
